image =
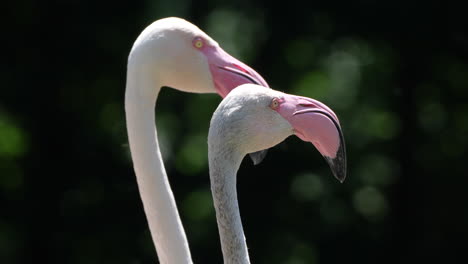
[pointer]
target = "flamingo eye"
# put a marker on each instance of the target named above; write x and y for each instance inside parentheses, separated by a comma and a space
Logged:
(274, 103)
(198, 43)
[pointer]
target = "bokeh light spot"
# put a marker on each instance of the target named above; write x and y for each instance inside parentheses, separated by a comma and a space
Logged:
(307, 187)
(370, 203)
(236, 32)
(299, 53)
(377, 124)
(192, 157)
(303, 254)
(377, 170)
(315, 84)
(12, 176)
(12, 139)
(431, 117)
(334, 212)
(198, 205)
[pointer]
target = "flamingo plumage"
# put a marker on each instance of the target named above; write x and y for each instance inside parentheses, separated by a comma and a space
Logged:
(253, 118)
(175, 53)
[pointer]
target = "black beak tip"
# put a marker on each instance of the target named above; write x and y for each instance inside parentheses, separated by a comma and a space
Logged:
(340, 177)
(338, 164)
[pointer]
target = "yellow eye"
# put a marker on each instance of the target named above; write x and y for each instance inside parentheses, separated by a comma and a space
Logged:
(274, 103)
(198, 43)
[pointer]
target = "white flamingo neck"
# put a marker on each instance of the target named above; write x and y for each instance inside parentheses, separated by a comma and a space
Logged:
(223, 170)
(158, 201)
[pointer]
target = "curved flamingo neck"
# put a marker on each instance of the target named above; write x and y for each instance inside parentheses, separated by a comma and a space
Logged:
(223, 169)
(158, 201)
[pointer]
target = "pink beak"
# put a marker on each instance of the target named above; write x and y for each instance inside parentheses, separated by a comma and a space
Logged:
(228, 72)
(315, 122)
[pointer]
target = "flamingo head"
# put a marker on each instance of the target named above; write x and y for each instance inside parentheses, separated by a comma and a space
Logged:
(252, 118)
(180, 55)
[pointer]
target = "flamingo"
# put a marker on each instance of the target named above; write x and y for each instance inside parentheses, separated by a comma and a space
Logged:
(252, 118)
(171, 52)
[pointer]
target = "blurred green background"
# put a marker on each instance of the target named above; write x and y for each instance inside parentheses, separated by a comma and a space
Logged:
(395, 72)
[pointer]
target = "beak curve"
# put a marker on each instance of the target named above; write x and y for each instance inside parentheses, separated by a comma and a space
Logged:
(228, 72)
(315, 122)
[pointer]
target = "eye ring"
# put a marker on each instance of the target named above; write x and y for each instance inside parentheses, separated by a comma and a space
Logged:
(275, 103)
(198, 42)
